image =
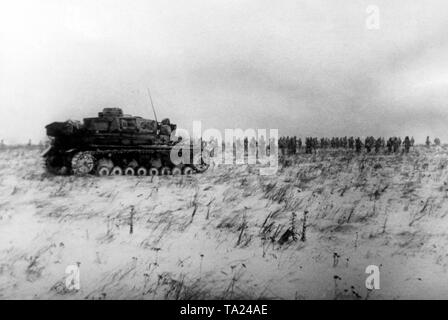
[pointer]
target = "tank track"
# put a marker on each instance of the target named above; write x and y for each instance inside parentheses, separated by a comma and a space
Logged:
(131, 161)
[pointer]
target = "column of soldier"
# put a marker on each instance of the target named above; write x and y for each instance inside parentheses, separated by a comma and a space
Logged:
(292, 145)
(245, 145)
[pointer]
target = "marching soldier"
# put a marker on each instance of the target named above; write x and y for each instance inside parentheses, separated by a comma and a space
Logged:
(351, 143)
(395, 144)
(299, 144)
(358, 145)
(407, 144)
(389, 145)
(308, 145)
(378, 143)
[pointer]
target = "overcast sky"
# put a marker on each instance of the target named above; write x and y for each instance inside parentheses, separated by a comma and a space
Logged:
(305, 67)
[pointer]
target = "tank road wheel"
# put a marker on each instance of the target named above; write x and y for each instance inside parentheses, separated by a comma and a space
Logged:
(116, 171)
(165, 171)
(104, 167)
(82, 163)
(188, 171)
(129, 171)
(177, 171)
(201, 167)
(199, 164)
(63, 171)
(103, 171)
(153, 172)
(142, 171)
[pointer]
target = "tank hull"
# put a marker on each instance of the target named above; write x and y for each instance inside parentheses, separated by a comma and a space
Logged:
(109, 145)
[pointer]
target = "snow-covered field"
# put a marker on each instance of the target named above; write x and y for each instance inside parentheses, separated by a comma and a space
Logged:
(229, 233)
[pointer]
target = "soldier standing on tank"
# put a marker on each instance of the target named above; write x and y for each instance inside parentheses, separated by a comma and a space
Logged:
(428, 142)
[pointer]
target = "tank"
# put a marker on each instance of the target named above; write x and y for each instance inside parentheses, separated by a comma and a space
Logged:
(116, 144)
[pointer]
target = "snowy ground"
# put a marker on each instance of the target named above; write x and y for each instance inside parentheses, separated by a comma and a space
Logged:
(224, 234)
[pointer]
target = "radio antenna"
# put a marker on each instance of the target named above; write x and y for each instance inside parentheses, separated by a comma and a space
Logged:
(152, 105)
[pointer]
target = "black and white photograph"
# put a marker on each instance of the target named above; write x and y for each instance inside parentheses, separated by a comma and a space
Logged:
(223, 150)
